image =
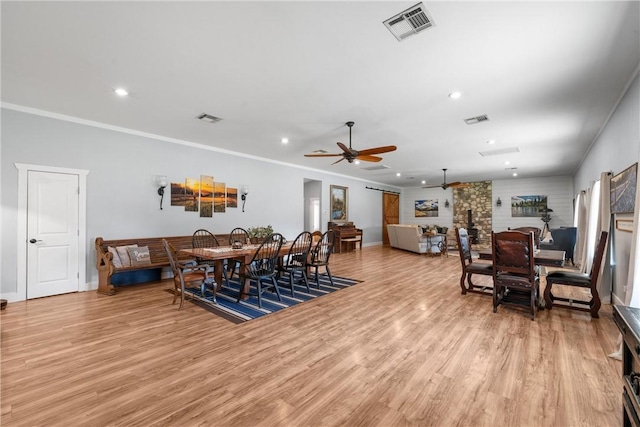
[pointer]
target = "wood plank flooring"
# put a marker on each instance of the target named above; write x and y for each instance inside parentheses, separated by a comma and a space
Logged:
(402, 348)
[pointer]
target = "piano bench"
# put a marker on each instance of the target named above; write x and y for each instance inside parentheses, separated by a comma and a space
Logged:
(350, 243)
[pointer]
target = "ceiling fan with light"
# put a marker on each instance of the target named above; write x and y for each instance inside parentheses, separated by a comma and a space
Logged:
(444, 184)
(350, 154)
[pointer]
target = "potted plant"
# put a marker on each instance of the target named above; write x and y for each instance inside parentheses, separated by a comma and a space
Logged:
(258, 234)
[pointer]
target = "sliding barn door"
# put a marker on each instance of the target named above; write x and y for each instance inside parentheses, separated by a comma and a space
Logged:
(390, 213)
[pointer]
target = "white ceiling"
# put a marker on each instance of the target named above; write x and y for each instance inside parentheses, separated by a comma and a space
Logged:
(548, 74)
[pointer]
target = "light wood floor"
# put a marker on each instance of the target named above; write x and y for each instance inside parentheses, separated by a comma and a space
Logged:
(402, 348)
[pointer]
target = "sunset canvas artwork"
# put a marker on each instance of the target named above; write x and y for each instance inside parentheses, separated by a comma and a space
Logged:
(206, 196)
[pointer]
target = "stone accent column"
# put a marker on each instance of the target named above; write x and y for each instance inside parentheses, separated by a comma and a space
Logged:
(478, 197)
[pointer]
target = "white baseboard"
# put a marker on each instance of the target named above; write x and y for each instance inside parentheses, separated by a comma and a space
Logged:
(12, 297)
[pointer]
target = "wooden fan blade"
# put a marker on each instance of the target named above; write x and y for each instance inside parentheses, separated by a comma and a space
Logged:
(368, 158)
(338, 161)
(344, 148)
(323, 155)
(378, 150)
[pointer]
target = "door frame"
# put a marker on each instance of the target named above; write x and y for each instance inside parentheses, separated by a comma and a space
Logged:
(21, 255)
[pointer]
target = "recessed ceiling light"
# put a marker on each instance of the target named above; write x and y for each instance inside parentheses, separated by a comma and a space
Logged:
(507, 162)
(455, 95)
(515, 174)
(398, 174)
(121, 92)
(424, 182)
(491, 141)
(357, 162)
(285, 140)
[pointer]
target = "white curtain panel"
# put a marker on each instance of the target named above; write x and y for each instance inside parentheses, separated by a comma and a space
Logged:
(581, 224)
(583, 227)
(605, 221)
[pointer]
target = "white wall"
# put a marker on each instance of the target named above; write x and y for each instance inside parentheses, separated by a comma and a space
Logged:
(558, 189)
(122, 199)
(407, 206)
(559, 192)
(616, 148)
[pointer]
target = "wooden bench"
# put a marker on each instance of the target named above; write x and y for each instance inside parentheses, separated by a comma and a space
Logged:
(157, 253)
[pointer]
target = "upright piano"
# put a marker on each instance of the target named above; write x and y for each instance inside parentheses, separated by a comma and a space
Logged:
(344, 232)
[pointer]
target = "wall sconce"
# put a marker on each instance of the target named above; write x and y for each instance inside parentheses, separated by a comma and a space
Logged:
(498, 202)
(244, 191)
(161, 182)
(446, 203)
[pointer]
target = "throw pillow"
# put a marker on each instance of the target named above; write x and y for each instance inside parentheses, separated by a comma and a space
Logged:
(124, 254)
(139, 255)
(115, 258)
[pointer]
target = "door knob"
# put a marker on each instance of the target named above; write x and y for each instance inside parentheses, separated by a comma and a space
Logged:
(34, 241)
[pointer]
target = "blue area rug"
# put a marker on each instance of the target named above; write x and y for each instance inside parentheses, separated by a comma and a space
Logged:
(248, 309)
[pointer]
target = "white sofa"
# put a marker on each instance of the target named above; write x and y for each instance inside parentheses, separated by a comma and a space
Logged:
(408, 237)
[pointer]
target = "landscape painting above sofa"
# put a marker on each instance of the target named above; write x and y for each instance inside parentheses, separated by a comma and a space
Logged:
(424, 208)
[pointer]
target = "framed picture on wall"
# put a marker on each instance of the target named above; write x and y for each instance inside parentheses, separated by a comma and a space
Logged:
(425, 208)
(339, 204)
(623, 190)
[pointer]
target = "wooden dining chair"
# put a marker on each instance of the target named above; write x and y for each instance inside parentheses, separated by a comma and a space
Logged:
(263, 266)
(469, 268)
(581, 280)
(296, 260)
(187, 272)
(320, 255)
(205, 239)
(515, 276)
(238, 238)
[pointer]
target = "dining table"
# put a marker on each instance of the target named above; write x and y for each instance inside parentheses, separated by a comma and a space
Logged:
(221, 253)
(542, 257)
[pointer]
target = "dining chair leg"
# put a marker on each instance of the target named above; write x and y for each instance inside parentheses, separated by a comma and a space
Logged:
(259, 286)
(317, 279)
(306, 280)
(329, 274)
(291, 283)
(275, 285)
(464, 288)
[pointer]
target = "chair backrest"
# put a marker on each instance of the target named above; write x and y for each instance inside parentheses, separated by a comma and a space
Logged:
(265, 259)
(172, 256)
(238, 235)
(536, 233)
(464, 245)
(322, 250)
(513, 253)
(299, 250)
(598, 256)
(204, 239)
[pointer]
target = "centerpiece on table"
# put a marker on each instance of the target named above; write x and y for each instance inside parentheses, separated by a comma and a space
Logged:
(258, 234)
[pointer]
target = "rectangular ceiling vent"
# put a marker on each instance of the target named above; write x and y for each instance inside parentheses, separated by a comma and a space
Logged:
(376, 168)
(209, 118)
(500, 151)
(320, 152)
(476, 119)
(410, 22)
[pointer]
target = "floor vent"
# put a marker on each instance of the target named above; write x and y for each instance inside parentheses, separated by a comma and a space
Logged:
(209, 118)
(410, 22)
(500, 151)
(477, 119)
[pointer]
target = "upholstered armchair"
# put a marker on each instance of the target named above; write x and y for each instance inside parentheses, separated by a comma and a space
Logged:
(564, 239)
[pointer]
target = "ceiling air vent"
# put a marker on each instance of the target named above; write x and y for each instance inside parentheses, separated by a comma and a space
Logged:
(320, 152)
(476, 119)
(376, 168)
(410, 22)
(500, 151)
(209, 118)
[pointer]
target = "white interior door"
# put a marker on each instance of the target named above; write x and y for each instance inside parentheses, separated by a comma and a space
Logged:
(52, 234)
